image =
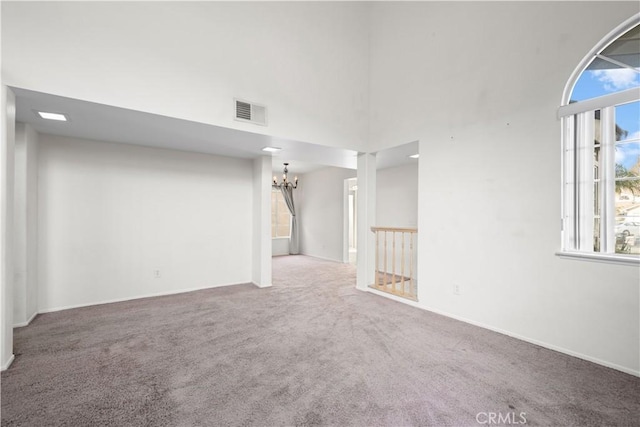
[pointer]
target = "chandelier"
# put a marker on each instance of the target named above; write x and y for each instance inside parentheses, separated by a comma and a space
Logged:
(285, 180)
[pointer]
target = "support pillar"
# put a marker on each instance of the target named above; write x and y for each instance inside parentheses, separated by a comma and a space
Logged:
(261, 269)
(366, 217)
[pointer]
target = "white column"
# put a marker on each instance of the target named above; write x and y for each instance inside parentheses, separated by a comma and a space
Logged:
(7, 135)
(366, 218)
(262, 222)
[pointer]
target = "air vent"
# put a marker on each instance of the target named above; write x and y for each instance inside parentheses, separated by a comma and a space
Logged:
(252, 113)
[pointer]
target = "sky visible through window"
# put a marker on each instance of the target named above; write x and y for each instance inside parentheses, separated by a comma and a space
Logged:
(594, 83)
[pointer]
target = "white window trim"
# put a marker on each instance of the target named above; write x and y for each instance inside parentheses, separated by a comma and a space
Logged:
(577, 118)
(600, 102)
(606, 258)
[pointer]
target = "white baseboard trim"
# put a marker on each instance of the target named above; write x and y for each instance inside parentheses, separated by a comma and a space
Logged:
(510, 334)
(325, 258)
(29, 320)
(158, 294)
(261, 286)
(395, 298)
(9, 362)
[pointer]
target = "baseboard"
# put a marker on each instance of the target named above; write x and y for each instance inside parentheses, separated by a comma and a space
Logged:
(29, 320)
(158, 294)
(261, 286)
(508, 333)
(324, 258)
(394, 297)
(9, 362)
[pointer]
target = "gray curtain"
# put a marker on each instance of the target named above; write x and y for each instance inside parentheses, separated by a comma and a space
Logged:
(287, 193)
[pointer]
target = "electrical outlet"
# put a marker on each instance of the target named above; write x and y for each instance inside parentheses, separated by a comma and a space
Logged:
(456, 289)
(156, 274)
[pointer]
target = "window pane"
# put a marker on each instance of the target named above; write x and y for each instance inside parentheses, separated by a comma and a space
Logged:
(603, 77)
(628, 122)
(628, 160)
(595, 83)
(627, 173)
(625, 49)
(627, 227)
(627, 156)
(628, 150)
(280, 216)
(283, 230)
(597, 129)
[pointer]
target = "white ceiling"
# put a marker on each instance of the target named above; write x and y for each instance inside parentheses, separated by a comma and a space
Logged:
(88, 120)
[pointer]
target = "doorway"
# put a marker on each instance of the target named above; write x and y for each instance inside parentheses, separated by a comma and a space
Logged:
(350, 252)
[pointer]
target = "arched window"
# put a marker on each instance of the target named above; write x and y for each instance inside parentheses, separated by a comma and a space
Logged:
(600, 116)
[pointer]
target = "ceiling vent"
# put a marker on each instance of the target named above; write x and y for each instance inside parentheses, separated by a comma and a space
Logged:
(252, 113)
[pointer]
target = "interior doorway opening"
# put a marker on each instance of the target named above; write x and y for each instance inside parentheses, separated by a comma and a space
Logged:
(350, 254)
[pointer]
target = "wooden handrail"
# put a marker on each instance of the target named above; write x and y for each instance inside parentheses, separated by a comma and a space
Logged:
(396, 229)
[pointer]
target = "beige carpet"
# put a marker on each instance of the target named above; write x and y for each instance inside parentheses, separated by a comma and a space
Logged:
(309, 351)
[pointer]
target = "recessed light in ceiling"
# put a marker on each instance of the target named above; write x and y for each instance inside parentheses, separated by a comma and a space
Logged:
(271, 149)
(414, 156)
(52, 116)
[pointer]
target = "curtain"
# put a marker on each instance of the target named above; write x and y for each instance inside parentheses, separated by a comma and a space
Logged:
(287, 193)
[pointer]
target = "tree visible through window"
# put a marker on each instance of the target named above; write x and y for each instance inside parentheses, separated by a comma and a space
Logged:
(601, 149)
(280, 216)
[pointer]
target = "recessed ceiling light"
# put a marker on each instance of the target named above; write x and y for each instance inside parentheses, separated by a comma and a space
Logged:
(271, 149)
(52, 116)
(414, 156)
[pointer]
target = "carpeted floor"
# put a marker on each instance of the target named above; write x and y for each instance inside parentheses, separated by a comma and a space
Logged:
(311, 350)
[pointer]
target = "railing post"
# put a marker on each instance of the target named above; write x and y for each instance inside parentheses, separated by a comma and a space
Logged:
(377, 277)
(385, 260)
(402, 265)
(393, 260)
(413, 292)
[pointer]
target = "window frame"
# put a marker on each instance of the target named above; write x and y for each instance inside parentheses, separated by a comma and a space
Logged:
(577, 166)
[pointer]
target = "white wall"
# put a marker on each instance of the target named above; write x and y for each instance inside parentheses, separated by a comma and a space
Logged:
(307, 62)
(279, 246)
(110, 215)
(25, 296)
(397, 196)
(320, 208)
(479, 85)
